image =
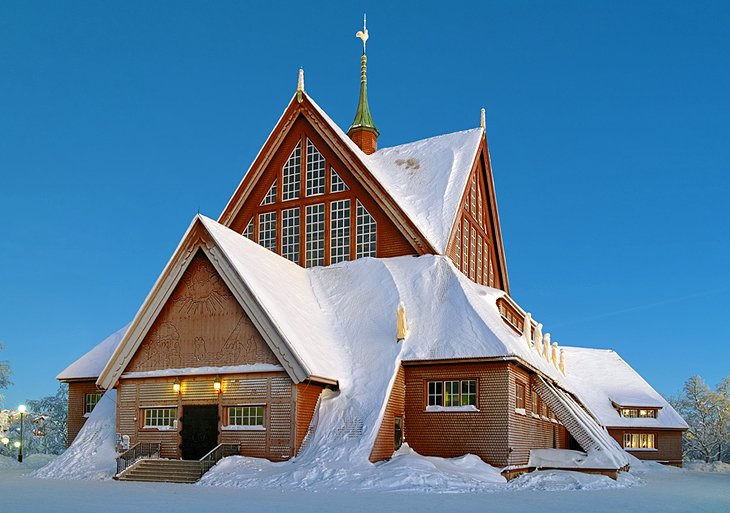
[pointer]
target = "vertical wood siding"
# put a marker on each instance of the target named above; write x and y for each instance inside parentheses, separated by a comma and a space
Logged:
(385, 440)
(307, 395)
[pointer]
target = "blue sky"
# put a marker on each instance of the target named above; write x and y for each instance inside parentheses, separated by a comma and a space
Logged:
(607, 125)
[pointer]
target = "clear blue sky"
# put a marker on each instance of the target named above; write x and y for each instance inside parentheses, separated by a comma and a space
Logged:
(607, 124)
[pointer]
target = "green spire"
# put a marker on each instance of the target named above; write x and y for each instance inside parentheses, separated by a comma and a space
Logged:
(363, 118)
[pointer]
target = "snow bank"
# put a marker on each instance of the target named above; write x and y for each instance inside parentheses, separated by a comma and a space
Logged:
(565, 480)
(7, 462)
(701, 466)
(564, 458)
(93, 453)
(406, 471)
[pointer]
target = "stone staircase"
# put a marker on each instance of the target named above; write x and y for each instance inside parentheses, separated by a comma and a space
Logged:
(166, 471)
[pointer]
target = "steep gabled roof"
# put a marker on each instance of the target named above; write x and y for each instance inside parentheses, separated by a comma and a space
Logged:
(240, 262)
(428, 179)
(603, 378)
(90, 365)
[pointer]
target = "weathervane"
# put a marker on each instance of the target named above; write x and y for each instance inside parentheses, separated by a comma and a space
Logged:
(363, 34)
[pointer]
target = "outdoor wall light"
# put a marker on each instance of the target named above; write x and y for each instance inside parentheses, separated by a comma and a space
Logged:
(217, 384)
(176, 386)
(5, 440)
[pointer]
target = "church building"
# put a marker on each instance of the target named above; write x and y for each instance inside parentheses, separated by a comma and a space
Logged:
(349, 299)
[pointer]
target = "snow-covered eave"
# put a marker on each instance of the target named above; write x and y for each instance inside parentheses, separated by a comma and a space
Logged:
(647, 406)
(163, 288)
(653, 428)
(75, 379)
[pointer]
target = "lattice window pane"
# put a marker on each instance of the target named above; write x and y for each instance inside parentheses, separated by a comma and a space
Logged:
(291, 175)
(435, 393)
(245, 416)
(473, 254)
(315, 170)
(365, 244)
(90, 401)
(248, 232)
(271, 195)
(159, 417)
(465, 248)
(469, 392)
(480, 264)
(290, 234)
(488, 258)
(314, 241)
(451, 393)
(267, 230)
(338, 184)
(474, 195)
(339, 231)
(480, 209)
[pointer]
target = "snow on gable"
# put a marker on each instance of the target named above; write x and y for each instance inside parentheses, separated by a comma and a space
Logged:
(427, 179)
(91, 364)
(601, 377)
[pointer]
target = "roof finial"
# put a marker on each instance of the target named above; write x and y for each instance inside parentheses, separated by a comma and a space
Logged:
(483, 118)
(300, 85)
(363, 34)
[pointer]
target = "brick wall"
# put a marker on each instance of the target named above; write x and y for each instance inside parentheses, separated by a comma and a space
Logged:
(77, 391)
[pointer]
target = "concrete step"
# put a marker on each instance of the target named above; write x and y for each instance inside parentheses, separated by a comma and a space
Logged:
(172, 471)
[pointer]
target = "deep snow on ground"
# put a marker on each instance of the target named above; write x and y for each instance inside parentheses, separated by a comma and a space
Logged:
(662, 491)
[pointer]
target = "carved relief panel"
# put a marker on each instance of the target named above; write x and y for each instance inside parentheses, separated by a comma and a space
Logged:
(201, 325)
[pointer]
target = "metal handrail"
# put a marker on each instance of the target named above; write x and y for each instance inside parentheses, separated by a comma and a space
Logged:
(216, 454)
(136, 452)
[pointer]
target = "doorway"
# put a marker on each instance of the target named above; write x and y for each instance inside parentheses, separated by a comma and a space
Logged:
(199, 431)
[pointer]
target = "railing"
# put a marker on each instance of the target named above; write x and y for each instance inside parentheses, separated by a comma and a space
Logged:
(216, 454)
(136, 452)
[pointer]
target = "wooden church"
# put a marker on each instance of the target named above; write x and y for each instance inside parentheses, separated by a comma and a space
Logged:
(358, 297)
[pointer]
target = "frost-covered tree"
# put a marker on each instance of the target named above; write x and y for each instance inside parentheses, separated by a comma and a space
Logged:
(48, 421)
(4, 375)
(707, 412)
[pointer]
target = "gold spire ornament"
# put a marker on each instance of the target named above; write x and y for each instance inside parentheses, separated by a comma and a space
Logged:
(363, 34)
(363, 119)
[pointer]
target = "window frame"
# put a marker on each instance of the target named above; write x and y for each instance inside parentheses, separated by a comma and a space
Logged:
(90, 405)
(245, 414)
(468, 387)
(172, 417)
(647, 440)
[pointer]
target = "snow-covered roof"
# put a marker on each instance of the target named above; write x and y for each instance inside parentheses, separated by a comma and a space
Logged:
(428, 178)
(90, 364)
(603, 380)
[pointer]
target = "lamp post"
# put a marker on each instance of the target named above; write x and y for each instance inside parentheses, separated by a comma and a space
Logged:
(21, 410)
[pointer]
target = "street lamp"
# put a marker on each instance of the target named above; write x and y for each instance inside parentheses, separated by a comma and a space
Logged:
(19, 445)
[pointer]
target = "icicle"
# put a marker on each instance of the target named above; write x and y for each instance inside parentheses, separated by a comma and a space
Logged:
(401, 325)
(527, 329)
(538, 339)
(554, 354)
(562, 361)
(546, 350)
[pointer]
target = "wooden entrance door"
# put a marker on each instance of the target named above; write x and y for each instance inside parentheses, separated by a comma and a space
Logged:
(199, 431)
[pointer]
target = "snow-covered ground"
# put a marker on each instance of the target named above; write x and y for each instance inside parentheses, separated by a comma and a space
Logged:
(648, 490)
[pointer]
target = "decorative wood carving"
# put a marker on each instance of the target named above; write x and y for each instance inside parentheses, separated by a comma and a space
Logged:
(201, 325)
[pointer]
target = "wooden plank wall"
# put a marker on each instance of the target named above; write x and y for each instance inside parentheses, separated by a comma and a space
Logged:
(77, 391)
(451, 434)
(307, 395)
(668, 443)
(530, 431)
(385, 440)
(273, 390)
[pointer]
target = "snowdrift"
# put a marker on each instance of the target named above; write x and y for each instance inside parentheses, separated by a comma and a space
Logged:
(93, 453)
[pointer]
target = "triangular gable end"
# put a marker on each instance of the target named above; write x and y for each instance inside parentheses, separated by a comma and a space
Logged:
(475, 245)
(216, 278)
(343, 149)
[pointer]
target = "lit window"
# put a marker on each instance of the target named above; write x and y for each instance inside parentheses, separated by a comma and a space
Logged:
(290, 234)
(366, 233)
(338, 184)
(245, 416)
(339, 231)
(315, 170)
(291, 175)
(159, 417)
(638, 413)
(271, 195)
(520, 395)
(248, 232)
(90, 401)
(314, 241)
(452, 393)
(639, 440)
(267, 230)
